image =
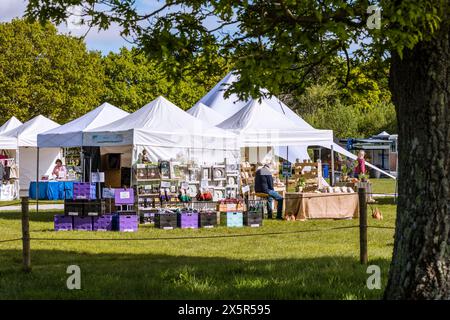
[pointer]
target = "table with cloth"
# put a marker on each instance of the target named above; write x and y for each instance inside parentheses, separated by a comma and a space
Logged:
(52, 190)
(321, 205)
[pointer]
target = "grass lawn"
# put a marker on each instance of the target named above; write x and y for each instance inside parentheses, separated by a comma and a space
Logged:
(383, 186)
(309, 261)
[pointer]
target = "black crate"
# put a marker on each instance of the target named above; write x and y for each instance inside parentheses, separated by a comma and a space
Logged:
(207, 219)
(166, 220)
(253, 218)
(147, 217)
(94, 208)
(74, 207)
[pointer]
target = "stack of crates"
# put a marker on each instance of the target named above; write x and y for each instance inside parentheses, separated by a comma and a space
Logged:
(166, 219)
(208, 218)
(84, 191)
(231, 213)
(125, 219)
(253, 216)
(187, 219)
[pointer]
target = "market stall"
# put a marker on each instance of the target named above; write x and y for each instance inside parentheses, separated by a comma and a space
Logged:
(9, 184)
(301, 206)
(70, 135)
(22, 141)
(164, 154)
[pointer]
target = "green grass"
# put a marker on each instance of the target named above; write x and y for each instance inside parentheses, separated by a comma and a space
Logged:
(383, 186)
(18, 202)
(314, 261)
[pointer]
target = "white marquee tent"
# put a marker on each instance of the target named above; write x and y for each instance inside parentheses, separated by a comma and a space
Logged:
(24, 139)
(216, 100)
(166, 131)
(11, 124)
(206, 114)
(259, 125)
(71, 133)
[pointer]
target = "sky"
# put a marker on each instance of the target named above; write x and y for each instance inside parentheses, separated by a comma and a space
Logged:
(104, 41)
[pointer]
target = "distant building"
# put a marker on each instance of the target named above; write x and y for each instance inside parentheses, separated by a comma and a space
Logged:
(381, 150)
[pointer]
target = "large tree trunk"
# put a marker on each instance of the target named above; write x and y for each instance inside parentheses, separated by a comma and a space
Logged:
(420, 85)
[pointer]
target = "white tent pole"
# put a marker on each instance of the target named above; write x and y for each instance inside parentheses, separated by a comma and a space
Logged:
(332, 166)
(37, 180)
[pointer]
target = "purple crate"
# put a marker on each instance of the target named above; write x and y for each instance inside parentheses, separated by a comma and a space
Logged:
(188, 220)
(82, 223)
(63, 223)
(123, 196)
(127, 223)
(102, 223)
(84, 190)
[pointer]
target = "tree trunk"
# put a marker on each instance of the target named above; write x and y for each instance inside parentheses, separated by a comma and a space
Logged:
(420, 85)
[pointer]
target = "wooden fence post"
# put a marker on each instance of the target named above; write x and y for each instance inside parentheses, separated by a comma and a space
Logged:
(362, 225)
(26, 235)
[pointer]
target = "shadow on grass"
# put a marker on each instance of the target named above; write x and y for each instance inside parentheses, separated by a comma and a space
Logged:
(156, 276)
(386, 200)
(46, 216)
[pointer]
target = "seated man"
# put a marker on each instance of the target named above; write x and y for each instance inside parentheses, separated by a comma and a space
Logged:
(264, 184)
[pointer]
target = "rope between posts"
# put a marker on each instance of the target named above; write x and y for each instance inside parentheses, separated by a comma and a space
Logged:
(194, 237)
(10, 240)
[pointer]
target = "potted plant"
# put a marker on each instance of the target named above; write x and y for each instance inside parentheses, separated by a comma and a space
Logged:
(301, 184)
(363, 177)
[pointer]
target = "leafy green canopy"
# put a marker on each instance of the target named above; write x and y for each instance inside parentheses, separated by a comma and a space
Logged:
(42, 72)
(273, 44)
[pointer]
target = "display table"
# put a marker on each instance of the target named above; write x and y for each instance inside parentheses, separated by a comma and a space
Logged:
(322, 205)
(52, 190)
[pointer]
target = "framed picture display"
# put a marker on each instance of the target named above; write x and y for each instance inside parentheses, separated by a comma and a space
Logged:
(231, 192)
(218, 173)
(206, 173)
(192, 190)
(165, 169)
(232, 167)
(153, 172)
(232, 181)
(218, 194)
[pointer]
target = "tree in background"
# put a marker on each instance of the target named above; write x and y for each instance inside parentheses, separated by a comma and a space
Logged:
(132, 80)
(271, 39)
(42, 72)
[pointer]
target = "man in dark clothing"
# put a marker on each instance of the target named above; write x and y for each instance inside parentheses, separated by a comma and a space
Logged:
(264, 184)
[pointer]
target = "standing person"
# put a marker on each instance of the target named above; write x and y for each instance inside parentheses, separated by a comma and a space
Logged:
(143, 157)
(59, 171)
(264, 184)
(361, 166)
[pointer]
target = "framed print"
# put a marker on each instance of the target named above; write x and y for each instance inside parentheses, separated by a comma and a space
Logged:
(218, 173)
(206, 173)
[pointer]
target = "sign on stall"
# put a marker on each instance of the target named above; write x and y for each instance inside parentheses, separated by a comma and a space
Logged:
(286, 169)
(97, 177)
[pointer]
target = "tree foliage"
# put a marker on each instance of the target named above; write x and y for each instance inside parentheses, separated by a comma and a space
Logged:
(269, 41)
(42, 72)
(133, 80)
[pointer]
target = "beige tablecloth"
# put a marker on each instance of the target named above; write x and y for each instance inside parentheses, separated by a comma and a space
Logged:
(321, 205)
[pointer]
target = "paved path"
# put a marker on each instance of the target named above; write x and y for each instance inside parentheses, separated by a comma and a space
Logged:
(33, 207)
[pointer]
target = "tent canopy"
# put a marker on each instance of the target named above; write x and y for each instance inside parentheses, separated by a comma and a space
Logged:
(71, 133)
(259, 125)
(26, 134)
(160, 123)
(206, 114)
(11, 124)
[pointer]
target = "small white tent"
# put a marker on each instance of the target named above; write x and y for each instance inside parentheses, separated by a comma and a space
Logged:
(71, 133)
(24, 139)
(206, 114)
(9, 125)
(166, 129)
